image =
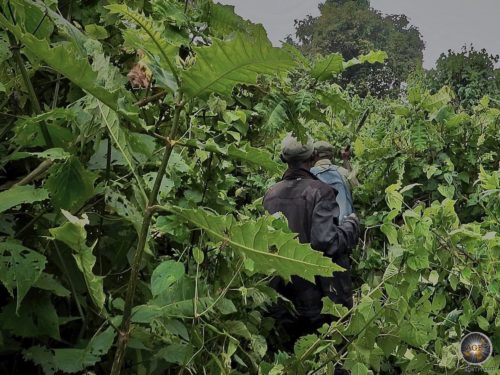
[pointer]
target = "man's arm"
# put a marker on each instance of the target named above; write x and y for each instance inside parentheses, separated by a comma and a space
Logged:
(326, 235)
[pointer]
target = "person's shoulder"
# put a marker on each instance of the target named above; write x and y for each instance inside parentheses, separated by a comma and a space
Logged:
(273, 188)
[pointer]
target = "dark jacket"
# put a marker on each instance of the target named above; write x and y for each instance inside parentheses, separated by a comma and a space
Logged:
(313, 213)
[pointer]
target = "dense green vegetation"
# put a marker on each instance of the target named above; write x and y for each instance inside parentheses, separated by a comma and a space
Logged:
(137, 142)
(471, 74)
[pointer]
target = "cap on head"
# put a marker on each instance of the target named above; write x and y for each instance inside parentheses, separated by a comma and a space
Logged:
(323, 149)
(293, 150)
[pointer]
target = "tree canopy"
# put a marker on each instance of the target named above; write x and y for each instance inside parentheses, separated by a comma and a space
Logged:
(470, 73)
(353, 27)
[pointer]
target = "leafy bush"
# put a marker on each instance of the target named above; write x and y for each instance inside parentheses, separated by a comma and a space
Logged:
(136, 146)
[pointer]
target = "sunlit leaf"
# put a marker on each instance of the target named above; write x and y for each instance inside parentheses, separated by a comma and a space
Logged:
(271, 250)
(73, 234)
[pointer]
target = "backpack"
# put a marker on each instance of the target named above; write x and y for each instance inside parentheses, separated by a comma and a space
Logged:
(332, 177)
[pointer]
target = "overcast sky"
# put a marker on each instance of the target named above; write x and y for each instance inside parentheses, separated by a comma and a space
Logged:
(444, 24)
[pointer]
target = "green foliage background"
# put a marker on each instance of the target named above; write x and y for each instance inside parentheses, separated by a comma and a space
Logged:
(133, 238)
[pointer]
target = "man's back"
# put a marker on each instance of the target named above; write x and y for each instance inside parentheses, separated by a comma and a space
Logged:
(312, 211)
(296, 198)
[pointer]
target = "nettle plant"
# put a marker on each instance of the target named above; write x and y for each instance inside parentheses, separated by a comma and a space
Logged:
(136, 145)
(104, 240)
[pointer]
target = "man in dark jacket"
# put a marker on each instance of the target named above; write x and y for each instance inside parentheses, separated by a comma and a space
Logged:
(312, 211)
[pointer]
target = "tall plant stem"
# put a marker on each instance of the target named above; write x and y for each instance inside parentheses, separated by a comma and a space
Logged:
(31, 91)
(124, 333)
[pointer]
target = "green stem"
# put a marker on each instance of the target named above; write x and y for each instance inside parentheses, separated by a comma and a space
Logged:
(124, 333)
(31, 91)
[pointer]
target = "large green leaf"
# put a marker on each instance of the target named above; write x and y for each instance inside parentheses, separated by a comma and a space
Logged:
(438, 100)
(66, 59)
(21, 194)
(172, 11)
(73, 234)
(29, 15)
(254, 157)
(271, 250)
(277, 113)
(251, 156)
(224, 64)
(20, 268)
(326, 67)
(70, 184)
(371, 57)
(222, 20)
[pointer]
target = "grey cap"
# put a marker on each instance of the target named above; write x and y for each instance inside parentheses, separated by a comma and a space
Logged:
(323, 148)
(293, 150)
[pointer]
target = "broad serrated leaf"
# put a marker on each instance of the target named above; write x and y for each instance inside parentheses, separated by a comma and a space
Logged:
(96, 31)
(251, 156)
(254, 157)
(20, 268)
(276, 112)
(394, 199)
(438, 100)
(303, 101)
(326, 67)
(371, 57)
(304, 344)
(70, 184)
(172, 11)
(331, 308)
(222, 20)
(20, 195)
(336, 101)
(390, 271)
(271, 250)
(224, 64)
(73, 234)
